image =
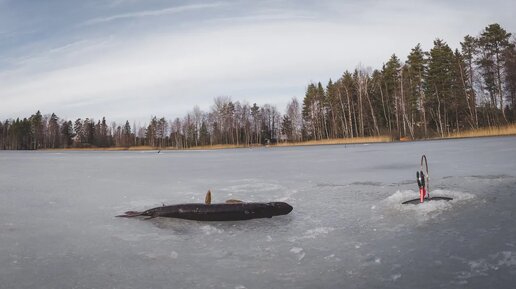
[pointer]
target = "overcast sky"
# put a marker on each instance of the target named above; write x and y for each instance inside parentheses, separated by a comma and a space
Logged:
(131, 59)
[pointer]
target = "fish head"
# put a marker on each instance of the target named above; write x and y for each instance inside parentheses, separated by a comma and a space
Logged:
(280, 208)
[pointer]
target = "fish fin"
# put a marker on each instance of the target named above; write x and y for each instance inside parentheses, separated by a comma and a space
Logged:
(207, 199)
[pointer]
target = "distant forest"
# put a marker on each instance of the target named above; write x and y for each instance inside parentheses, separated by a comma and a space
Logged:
(431, 93)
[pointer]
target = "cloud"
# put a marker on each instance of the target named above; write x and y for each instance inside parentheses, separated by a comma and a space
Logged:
(170, 70)
(251, 53)
(262, 62)
(159, 12)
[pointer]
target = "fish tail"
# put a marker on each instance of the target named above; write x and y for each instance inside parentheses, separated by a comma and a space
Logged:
(130, 214)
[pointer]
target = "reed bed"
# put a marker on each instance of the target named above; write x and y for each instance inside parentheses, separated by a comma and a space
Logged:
(488, 131)
(372, 139)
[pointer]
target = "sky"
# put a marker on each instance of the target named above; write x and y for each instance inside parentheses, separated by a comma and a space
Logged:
(133, 59)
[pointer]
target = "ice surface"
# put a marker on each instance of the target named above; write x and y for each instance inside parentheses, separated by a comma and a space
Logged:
(426, 210)
(348, 228)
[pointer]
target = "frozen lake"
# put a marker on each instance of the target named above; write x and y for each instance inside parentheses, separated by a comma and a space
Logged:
(347, 230)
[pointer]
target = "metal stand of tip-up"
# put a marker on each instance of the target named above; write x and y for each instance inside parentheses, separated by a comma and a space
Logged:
(423, 182)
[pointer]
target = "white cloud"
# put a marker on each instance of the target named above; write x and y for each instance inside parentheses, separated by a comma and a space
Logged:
(158, 12)
(171, 70)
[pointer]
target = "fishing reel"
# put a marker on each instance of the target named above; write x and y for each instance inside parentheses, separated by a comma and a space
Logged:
(420, 176)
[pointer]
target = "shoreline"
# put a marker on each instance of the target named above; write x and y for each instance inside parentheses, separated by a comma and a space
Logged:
(509, 130)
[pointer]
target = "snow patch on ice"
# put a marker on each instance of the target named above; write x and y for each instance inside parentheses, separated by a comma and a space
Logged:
(332, 258)
(426, 210)
(158, 256)
(296, 250)
(209, 230)
(507, 258)
(313, 233)
(329, 257)
(299, 252)
(482, 266)
(401, 196)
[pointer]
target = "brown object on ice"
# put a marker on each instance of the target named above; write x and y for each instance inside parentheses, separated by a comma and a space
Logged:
(207, 199)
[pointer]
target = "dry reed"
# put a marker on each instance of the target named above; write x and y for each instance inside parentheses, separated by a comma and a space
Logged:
(488, 131)
(372, 139)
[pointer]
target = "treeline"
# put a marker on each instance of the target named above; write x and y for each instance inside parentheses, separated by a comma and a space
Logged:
(431, 93)
(228, 123)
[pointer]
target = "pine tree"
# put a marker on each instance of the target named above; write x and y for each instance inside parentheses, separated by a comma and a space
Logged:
(309, 112)
(36, 121)
(348, 87)
(439, 85)
(126, 134)
(391, 76)
(204, 136)
(416, 74)
(494, 41)
(53, 129)
(67, 134)
(459, 94)
(469, 50)
(510, 78)
(287, 127)
(150, 134)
